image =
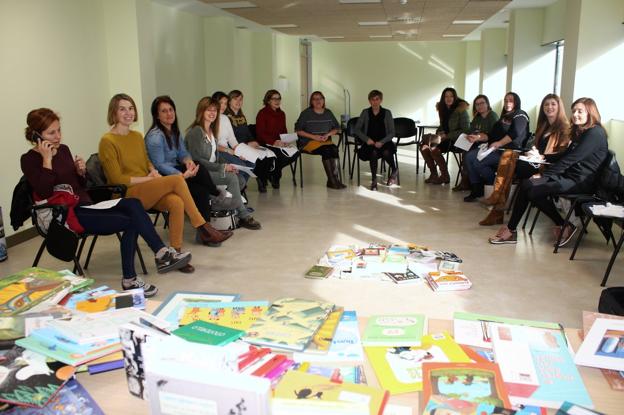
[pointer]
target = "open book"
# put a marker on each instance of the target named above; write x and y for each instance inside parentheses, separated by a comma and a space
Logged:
(246, 152)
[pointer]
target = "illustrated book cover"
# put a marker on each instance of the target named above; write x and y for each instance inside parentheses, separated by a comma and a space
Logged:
(394, 330)
(236, 314)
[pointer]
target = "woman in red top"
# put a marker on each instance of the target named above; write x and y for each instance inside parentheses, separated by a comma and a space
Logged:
(270, 123)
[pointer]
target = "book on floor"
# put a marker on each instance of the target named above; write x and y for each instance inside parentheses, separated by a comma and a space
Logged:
(306, 389)
(172, 308)
(208, 333)
(448, 281)
(29, 380)
(25, 289)
(236, 314)
(322, 339)
(603, 346)
(290, 323)
(394, 330)
(463, 386)
(346, 345)
(72, 398)
(337, 374)
(319, 272)
(399, 369)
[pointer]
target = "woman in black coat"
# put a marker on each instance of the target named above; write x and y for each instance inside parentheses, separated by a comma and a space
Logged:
(575, 172)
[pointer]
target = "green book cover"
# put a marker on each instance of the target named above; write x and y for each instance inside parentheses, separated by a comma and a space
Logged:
(394, 330)
(318, 272)
(207, 333)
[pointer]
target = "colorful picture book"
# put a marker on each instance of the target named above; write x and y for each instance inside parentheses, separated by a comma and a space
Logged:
(290, 323)
(208, 333)
(346, 345)
(236, 314)
(322, 339)
(25, 289)
(407, 277)
(29, 380)
(173, 307)
(399, 369)
(448, 281)
(463, 386)
(319, 272)
(558, 377)
(308, 388)
(72, 399)
(337, 374)
(603, 346)
(394, 330)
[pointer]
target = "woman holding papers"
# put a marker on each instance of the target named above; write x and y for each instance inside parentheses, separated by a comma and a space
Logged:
(483, 120)
(258, 159)
(124, 159)
(166, 150)
(270, 126)
(454, 121)
(315, 126)
(576, 171)
(49, 165)
(552, 137)
(509, 132)
(201, 141)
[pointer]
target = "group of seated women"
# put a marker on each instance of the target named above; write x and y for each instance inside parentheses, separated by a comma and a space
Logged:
(564, 157)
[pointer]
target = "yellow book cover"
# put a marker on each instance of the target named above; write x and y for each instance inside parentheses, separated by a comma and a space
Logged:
(238, 315)
(399, 369)
(300, 386)
(323, 338)
(290, 323)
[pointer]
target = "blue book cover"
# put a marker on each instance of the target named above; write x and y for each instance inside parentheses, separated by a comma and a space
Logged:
(73, 399)
(86, 295)
(54, 337)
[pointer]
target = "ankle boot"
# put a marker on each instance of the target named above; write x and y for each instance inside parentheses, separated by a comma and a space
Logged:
(393, 178)
(441, 162)
(426, 154)
(464, 183)
(209, 235)
(494, 217)
(373, 185)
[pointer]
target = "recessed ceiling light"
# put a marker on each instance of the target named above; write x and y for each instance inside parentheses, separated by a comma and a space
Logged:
(283, 26)
(234, 5)
(332, 37)
(358, 1)
(379, 36)
(381, 23)
(449, 35)
(468, 21)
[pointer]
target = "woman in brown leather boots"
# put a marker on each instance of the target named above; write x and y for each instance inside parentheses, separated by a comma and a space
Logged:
(454, 121)
(551, 140)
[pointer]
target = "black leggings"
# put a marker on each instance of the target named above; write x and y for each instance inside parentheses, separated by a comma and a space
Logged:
(327, 152)
(129, 217)
(372, 154)
(201, 187)
(537, 191)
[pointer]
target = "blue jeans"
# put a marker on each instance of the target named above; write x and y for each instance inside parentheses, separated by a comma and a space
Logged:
(129, 217)
(232, 159)
(484, 171)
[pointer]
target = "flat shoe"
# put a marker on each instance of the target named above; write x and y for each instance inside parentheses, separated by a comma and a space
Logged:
(187, 269)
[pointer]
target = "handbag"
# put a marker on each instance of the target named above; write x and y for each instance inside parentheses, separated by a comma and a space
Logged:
(61, 242)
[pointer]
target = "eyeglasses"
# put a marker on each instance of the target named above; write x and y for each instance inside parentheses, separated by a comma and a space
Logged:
(481, 103)
(276, 98)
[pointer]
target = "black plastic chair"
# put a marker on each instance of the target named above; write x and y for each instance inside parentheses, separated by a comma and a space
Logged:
(404, 128)
(350, 140)
(293, 165)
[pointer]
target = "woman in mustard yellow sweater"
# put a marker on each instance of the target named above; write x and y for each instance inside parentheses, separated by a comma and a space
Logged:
(124, 159)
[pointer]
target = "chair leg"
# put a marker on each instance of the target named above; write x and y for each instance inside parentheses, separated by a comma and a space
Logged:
(417, 158)
(513, 197)
(77, 268)
(83, 241)
(90, 251)
(537, 213)
(585, 222)
(156, 218)
(616, 251)
(39, 253)
(293, 170)
(358, 170)
(141, 261)
(301, 170)
(396, 163)
(527, 215)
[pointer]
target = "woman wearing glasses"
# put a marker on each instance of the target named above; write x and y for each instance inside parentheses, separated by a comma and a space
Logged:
(270, 123)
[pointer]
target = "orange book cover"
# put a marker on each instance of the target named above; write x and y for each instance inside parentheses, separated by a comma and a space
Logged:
(464, 384)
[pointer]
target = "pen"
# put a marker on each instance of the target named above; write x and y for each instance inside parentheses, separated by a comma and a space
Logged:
(270, 365)
(154, 326)
(252, 357)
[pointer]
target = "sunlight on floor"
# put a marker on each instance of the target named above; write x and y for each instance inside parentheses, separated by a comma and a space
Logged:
(379, 236)
(387, 199)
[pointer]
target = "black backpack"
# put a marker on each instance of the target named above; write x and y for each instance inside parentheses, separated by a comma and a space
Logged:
(612, 301)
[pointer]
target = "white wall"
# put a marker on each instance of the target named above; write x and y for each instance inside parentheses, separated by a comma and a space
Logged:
(410, 74)
(493, 66)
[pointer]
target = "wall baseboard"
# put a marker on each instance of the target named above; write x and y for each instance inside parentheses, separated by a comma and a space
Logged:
(22, 236)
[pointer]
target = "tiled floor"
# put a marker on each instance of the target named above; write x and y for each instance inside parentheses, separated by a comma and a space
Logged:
(522, 281)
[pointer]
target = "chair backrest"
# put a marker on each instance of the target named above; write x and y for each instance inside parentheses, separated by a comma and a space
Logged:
(21, 203)
(351, 126)
(95, 172)
(610, 180)
(404, 127)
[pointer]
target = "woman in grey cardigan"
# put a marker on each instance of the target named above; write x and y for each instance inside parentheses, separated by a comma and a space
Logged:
(201, 143)
(375, 130)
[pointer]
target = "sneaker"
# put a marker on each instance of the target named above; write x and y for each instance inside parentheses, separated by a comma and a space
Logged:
(568, 232)
(148, 289)
(250, 223)
(172, 260)
(504, 236)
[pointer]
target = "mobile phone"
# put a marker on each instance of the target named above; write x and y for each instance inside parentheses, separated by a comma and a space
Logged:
(36, 137)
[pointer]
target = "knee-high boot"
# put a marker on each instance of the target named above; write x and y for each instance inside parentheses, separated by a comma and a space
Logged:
(331, 167)
(441, 162)
(504, 177)
(426, 154)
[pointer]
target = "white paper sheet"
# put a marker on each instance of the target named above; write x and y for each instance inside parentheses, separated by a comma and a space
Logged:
(484, 151)
(288, 138)
(107, 204)
(246, 152)
(246, 169)
(463, 143)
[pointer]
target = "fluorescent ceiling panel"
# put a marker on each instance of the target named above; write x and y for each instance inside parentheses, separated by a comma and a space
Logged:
(234, 5)
(283, 26)
(384, 23)
(358, 1)
(468, 21)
